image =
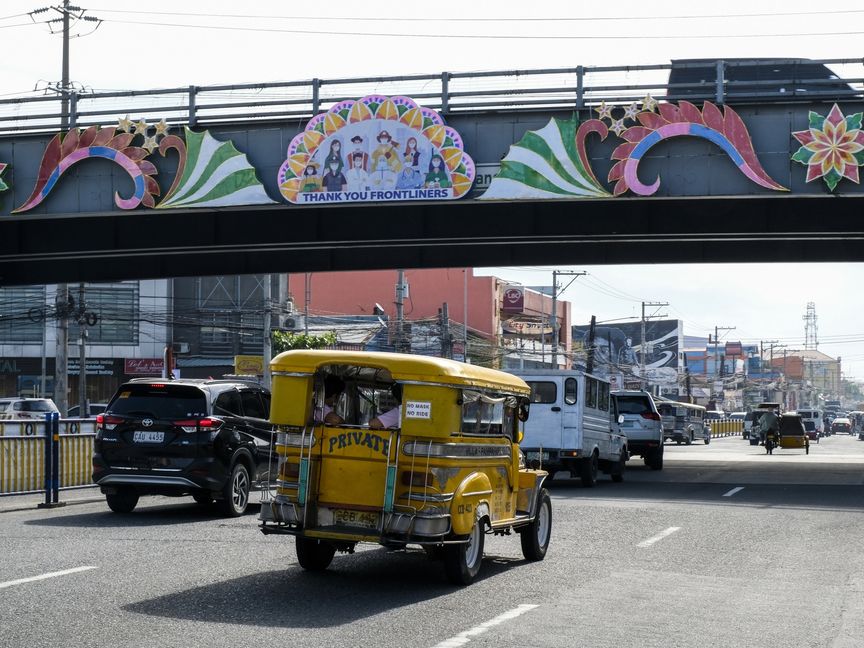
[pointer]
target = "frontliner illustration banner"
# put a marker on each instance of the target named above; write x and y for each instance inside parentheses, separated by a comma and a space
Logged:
(376, 149)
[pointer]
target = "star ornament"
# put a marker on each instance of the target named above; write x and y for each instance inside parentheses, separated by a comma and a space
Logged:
(125, 124)
(603, 111)
(649, 103)
(141, 128)
(832, 147)
(618, 126)
(161, 127)
(631, 111)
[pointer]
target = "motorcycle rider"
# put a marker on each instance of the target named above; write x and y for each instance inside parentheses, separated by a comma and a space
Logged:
(769, 422)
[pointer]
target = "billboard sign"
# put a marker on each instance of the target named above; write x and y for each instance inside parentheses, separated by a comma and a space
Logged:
(618, 348)
(514, 299)
(143, 366)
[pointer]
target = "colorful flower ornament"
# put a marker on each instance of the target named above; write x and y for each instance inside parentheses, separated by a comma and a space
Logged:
(832, 148)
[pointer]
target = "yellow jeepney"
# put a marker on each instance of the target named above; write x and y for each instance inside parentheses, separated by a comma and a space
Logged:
(447, 471)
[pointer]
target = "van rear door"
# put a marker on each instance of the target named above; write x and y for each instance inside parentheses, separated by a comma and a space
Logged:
(545, 425)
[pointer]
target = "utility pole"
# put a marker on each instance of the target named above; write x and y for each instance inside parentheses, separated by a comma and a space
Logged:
(589, 355)
(446, 348)
(717, 330)
(82, 353)
(555, 327)
(267, 350)
(400, 311)
(642, 349)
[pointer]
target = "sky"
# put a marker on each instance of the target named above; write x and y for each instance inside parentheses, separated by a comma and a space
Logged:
(165, 43)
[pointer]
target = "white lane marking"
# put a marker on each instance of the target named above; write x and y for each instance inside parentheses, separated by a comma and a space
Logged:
(464, 637)
(733, 491)
(20, 581)
(658, 537)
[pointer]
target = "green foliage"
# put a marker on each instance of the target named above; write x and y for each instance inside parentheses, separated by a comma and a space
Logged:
(284, 341)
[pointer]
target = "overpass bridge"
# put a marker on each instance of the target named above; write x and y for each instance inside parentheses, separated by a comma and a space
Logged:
(721, 161)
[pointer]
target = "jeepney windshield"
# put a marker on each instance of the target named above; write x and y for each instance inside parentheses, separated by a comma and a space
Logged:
(487, 415)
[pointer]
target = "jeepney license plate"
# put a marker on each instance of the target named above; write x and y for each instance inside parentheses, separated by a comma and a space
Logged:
(363, 519)
(537, 455)
(146, 436)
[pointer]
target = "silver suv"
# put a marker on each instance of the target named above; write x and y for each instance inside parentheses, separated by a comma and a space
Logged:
(26, 408)
(635, 415)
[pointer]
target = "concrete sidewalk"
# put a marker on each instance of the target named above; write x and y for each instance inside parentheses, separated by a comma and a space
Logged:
(69, 497)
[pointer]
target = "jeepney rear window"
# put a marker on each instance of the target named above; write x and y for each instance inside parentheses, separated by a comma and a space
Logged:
(487, 415)
(603, 396)
(591, 393)
(543, 392)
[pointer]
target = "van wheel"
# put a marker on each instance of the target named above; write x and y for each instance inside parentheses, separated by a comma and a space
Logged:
(314, 554)
(462, 561)
(235, 493)
(535, 537)
(123, 501)
(618, 467)
(588, 471)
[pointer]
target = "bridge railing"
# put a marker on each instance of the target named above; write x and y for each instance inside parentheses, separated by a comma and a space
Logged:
(572, 88)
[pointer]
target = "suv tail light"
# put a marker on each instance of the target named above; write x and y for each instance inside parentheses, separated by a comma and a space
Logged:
(193, 425)
(104, 422)
(651, 416)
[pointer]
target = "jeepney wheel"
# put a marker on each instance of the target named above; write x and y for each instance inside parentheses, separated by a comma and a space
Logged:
(588, 470)
(314, 554)
(462, 561)
(535, 537)
(618, 467)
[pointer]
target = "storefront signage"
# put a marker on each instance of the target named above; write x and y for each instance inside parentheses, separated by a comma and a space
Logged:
(514, 299)
(93, 367)
(249, 365)
(526, 327)
(143, 366)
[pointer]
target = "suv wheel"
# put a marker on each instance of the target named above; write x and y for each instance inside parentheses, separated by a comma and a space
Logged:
(235, 493)
(123, 501)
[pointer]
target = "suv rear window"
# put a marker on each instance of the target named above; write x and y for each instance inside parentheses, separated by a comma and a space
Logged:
(33, 406)
(165, 402)
(633, 404)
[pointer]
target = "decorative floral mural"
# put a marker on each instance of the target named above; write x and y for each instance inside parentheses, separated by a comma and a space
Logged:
(832, 148)
(553, 162)
(210, 173)
(376, 149)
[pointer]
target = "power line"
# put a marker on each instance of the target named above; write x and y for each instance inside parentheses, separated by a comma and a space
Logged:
(617, 19)
(314, 32)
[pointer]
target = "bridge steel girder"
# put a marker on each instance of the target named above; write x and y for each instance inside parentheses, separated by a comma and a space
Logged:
(470, 233)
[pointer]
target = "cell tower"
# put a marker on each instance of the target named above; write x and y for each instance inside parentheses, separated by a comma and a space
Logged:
(811, 336)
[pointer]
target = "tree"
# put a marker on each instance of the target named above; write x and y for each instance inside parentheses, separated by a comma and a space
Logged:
(284, 341)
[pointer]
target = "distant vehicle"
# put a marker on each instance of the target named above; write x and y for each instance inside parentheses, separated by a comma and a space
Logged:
(753, 79)
(737, 416)
(635, 414)
(684, 422)
(715, 414)
(95, 408)
(841, 426)
(815, 416)
(569, 427)
(755, 415)
(810, 429)
(26, 408)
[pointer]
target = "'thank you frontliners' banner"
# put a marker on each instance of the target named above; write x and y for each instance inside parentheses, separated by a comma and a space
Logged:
(376, 149)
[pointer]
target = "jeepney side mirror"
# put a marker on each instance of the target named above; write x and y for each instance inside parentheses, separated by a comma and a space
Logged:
(523, 411)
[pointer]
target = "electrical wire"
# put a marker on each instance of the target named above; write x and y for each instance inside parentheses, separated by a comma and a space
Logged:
(547, 37)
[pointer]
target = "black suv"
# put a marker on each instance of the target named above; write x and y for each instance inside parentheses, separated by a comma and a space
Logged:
(206, 438)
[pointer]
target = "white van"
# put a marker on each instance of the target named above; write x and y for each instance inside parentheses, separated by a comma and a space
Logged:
(570, 428)
(813, 415)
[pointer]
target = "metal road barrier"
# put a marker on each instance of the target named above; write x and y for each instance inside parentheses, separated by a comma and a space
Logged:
(726, 427)
(23, 455)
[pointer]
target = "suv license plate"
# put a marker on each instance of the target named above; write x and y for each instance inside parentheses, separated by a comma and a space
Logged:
(145, 436)
(363, 519)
